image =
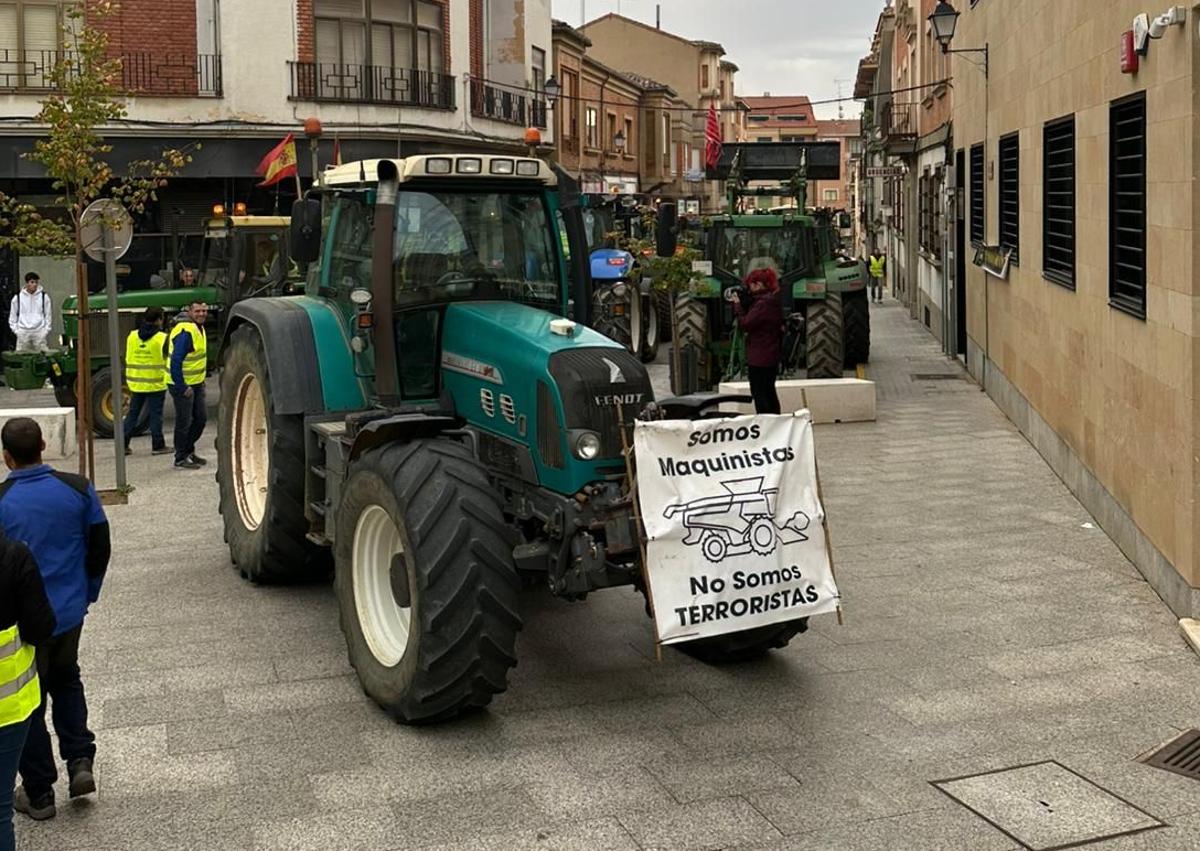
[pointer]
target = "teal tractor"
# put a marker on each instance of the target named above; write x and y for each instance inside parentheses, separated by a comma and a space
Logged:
(823, 289)
(427, 419)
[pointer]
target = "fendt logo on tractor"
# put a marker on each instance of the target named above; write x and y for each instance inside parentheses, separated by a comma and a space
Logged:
(358, 428)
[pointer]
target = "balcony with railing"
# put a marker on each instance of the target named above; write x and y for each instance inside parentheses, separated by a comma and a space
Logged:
(508, 106)
(898, 122)
(142, 72)
(371, 84)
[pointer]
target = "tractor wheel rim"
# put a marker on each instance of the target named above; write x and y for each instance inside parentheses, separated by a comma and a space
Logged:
(635, 323)
(251, 452)
(385, 624)
(652, 325)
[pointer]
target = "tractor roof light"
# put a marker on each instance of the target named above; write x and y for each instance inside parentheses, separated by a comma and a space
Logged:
(529, 168)
(239, 208)
(438, 165)
(218, 211)
(470, 165)
(502, 166)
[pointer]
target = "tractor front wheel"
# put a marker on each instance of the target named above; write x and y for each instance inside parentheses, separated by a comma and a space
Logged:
(690, 374)
(649, 321)
(425, 581)
(260, 473)
(744, 645)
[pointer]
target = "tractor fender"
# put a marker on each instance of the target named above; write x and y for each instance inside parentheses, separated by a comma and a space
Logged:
(290, 348)
(401, 428)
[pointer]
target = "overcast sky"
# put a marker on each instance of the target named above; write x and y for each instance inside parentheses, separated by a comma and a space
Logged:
(785, 47)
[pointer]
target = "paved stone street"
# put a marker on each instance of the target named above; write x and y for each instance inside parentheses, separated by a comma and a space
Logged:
(988, 625)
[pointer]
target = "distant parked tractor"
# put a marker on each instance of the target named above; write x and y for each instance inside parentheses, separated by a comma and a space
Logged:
(624, 307)
(242, 257)
(822, 288)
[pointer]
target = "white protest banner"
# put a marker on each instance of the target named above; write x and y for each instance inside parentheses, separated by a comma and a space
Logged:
(735, 528)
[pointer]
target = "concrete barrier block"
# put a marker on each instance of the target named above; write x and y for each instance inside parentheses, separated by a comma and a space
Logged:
(58, 427)
(831, 400)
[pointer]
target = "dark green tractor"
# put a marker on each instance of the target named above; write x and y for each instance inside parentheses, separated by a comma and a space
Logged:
(822, 289)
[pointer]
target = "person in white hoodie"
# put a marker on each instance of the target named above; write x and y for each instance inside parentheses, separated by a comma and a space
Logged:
(29, 317)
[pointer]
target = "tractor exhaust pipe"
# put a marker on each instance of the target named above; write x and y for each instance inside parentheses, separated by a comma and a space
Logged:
(382, 297)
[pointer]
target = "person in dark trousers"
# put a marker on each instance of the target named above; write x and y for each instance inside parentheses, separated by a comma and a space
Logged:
(762, 323)
(146, 375)
(188, 359)
(58, 516)
(26, 621)
(877, 268)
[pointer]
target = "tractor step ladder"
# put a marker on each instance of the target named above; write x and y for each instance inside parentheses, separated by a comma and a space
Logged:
(328, 451)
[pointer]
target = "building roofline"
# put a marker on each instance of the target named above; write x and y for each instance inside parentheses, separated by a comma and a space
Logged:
(562, 28)
(703, 45)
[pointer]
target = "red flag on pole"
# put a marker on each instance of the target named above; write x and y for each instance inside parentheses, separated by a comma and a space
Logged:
(712, 139)
(280, 163)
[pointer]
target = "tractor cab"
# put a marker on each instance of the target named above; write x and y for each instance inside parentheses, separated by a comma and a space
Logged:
(247, 256)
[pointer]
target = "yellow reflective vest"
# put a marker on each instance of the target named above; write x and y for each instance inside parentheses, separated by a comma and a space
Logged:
(145, 364)
(195, 362)
(876, 262)
(20, 693)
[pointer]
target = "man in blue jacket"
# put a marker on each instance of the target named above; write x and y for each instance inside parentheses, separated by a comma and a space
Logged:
(188, 364)
(58, 516)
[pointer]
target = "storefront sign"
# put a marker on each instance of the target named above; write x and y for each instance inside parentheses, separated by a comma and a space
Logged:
(736, 529)
(993, 260)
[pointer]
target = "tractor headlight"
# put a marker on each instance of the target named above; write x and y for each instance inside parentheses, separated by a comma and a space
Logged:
(587, 446)
(619, 291)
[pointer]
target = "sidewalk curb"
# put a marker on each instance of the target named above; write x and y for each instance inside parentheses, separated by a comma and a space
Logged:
(1191, 632)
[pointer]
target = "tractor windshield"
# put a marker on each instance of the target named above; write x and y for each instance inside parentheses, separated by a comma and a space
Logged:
(739, 251)
(452, 246)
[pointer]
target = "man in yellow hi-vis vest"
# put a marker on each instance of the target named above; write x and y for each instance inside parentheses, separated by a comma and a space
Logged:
(26, 619)
(876, 267)
(146, 376)
(187, 365)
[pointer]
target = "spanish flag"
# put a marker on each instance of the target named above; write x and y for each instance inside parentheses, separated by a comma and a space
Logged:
(280, 163)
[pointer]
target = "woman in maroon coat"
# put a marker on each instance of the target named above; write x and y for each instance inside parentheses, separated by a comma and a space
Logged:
(762, 323)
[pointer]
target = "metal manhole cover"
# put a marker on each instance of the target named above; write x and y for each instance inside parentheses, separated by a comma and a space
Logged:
(1181, 755)
(937, 376)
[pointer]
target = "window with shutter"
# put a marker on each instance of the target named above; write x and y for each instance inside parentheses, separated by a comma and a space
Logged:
(977, 196)
(1010, 195)
(1058, 201)
(1127, 205)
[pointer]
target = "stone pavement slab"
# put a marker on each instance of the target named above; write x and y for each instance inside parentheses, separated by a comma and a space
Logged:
(987, 626)
(1045, 806)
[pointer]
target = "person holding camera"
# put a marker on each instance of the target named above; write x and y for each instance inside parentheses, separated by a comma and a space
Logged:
(761, 320)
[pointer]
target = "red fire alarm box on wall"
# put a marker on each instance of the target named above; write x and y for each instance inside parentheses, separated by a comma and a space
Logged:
(1129, 57)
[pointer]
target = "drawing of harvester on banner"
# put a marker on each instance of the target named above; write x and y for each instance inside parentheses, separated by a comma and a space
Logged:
(734, 523)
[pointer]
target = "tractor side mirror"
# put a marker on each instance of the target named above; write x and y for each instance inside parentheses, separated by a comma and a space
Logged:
(306, 230)
(844, 220)
(665, 235)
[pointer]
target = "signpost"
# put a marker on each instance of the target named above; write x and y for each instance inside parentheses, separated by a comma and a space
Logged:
(885, 171)
(106, 231)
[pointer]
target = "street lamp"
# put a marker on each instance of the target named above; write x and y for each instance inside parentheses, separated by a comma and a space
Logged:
(943, 22)
(552, 89)
(619, 142)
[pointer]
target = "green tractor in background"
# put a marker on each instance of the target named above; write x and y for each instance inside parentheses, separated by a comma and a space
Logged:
(427, 419)
(241, 257)
(824, 291)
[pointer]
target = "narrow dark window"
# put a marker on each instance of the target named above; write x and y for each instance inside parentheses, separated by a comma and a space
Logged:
(1127, 206)
(977, 199)
(1010, 195)
(1058, 201)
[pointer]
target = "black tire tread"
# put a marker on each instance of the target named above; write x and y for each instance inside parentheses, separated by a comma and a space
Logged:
(856, 318)
(467, 582)
(744, 645)
(101, 382)
(691, 320)
(278, 552)
(824, 329)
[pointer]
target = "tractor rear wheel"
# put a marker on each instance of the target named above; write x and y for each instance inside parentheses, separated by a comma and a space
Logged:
(691, 346)
(824, 332)
(104, 406)
(744, 645)
(856, 318)
(425, 580)
(260, 473)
